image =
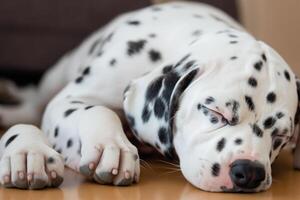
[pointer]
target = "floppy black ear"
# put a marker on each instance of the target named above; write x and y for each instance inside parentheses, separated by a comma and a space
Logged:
(297, 127)
(151, 102)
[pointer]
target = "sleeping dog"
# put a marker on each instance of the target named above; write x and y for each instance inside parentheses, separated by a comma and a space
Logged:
(186, 77)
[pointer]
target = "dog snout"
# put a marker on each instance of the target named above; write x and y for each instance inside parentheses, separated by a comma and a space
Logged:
(247, 174)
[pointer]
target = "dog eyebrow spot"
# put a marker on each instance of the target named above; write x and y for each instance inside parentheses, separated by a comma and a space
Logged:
(221, 144)
(215, 169)
(209, 100)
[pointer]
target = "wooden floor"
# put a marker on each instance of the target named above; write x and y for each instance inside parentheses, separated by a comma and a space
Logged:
(158, 183)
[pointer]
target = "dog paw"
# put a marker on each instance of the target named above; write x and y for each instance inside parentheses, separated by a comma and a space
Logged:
(29, 163)
(110, 163)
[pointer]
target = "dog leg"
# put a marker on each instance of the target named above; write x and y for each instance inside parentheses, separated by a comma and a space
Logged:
(27, 161)
(91, 139)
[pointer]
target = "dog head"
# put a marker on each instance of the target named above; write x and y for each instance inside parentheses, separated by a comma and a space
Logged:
(228, 108)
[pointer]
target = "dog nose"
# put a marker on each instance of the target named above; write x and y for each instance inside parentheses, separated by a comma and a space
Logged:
(247, 174)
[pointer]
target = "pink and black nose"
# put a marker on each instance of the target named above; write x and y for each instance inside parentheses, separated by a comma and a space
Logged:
(247, 174)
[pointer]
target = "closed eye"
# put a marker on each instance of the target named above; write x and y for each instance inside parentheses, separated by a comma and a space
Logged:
(216, 113)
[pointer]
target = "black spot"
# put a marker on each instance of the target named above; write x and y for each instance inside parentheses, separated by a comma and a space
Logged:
(146, 114)
(252, 82)
(271, 97)
(189, 64)
(214, 120)
(233, 42)
(69, 143)
(197, 16)
(76, 102)
(199, 106)
(258, 65)
(152, 35)
(279, 115)
(167, 69)
(277, 143)
(88, 107)
(274, 132)
(154, 55)
(86, 71)
(157, 146)
(209, 100)
(155, 8)
(10, 139)
(79, 79)
(250, 103)
(257, 131)
(287, 75)
(233, 58)
(232, 36)
(221, 144)
(130, 120)
(159, 108)
(59, 151)
(50, 160)
(215, 169)
(162, 135)
(264, 57)
(196, 32)
(182, 60)
(134, 23)
(238, 141)
(134, 47)
(154, 88)
(56, 132)
(269, 122)
(91, 50)
(69, 112)
(113, 62)
(170, 81)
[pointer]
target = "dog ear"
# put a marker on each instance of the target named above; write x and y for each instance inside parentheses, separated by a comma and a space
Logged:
(297, 129)
(151, 101)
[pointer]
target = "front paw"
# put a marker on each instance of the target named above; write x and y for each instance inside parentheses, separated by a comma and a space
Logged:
(27, 162)
(108, 163)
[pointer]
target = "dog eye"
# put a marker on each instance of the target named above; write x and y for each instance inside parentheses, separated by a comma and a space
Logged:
(215, 116)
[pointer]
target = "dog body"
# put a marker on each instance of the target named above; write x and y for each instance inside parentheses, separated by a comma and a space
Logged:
(185, 75)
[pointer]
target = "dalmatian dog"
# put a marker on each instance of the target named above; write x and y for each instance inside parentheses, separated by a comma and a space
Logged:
(187, 78)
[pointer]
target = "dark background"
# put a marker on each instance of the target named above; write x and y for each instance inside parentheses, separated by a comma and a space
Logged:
(34, 34)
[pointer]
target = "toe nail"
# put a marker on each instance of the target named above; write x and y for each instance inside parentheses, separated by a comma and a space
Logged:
(114, 172)
(6, 179)
(91, 166)
(53, 174)
(21, 175)
(127, 175)
(29, 177)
